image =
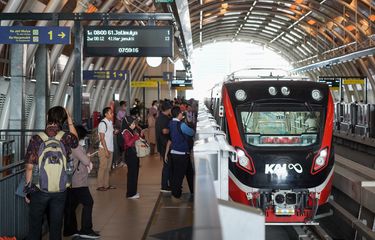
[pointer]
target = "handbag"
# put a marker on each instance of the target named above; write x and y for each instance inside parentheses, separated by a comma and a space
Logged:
(142, 148)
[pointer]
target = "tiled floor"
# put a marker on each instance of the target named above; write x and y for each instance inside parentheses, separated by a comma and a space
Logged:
(117, 217)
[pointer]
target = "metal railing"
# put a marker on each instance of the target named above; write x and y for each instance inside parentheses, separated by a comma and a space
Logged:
(13, 209)
(214, 216)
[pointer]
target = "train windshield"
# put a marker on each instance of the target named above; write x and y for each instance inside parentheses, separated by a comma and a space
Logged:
(297, 127)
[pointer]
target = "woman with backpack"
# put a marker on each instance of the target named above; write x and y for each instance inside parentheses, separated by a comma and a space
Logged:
(132, 161)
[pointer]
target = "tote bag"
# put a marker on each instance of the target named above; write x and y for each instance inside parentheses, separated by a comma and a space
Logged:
(142, 148)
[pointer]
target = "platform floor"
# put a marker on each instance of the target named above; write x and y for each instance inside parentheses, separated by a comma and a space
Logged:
(115, 217)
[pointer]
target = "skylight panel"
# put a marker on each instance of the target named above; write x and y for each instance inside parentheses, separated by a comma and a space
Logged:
(291, 37)
(271, 29)
(260, 13)
(285, 11)
(274, 25)
(256, 17)
(287, 40)
(306, 48)
(312, 46)
(295, 34)
(301, 50)
(282, 17)
(278, 22)
(254, 21)
(268, 32)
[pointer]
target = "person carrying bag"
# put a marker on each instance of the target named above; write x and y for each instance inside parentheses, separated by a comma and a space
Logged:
(132, 160)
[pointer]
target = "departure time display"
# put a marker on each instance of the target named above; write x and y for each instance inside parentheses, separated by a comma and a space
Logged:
(128, 41)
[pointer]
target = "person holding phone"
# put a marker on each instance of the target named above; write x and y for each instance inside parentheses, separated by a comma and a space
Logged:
(80, 193)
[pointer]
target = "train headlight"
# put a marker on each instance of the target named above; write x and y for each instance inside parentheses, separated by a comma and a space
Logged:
(240, 95)
(320, 161)
(285, 91)
(317, 95)
(244, 161)
(272, 91)
(280, 198)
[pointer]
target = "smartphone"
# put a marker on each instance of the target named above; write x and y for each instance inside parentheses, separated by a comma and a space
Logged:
(92, 154)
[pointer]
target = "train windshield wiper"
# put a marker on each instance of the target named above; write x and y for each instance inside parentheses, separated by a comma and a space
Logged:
(249, 114)
(311, 111)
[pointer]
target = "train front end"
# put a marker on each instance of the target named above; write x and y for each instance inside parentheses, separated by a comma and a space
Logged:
(282, 131)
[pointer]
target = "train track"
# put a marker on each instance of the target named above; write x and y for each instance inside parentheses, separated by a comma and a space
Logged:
(310, 232)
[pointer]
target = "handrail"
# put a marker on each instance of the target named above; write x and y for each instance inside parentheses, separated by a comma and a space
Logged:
(206, 215)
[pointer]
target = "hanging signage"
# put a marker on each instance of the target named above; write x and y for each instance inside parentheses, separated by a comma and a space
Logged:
(34, 35)
(164, 1)
(186, 82)
(333, 83)
(351, 80)
(128, 41)
(104, 75)
(184, 88)
(144, 84)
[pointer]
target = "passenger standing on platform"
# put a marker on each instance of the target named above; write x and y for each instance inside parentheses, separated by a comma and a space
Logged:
(119, 125)
(162, 137)
(180, 153)
(105, 130)
(42, 200)
(120, 114)
(130, 136)
(80, 193)
(151, 119)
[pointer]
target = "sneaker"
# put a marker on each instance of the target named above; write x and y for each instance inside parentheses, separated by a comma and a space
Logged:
(165, 190)
(91, 235)
(71, 235)
(136, 196)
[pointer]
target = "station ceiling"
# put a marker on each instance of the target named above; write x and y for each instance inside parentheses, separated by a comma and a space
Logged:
(305, 32)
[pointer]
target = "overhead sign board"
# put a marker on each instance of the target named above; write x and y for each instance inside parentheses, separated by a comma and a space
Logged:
(187, 82)
(128, 41)
(144, 84)
(167, 76)
(104, 75)
(34, 35)
(333, 83)
(351, 80)
(164, 1)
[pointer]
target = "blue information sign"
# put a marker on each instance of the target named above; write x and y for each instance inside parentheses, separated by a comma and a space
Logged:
(167, 76)
(34, 35)
(104, 75)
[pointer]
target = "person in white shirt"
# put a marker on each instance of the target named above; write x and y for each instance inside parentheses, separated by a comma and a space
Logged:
(105, 130)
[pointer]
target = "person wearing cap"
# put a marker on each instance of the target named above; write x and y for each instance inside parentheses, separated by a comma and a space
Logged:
(162, 137)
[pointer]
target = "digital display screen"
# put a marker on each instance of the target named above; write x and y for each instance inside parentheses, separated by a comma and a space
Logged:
(128, 41)
(181, 83)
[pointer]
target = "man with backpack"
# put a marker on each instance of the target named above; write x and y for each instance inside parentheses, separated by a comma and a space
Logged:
(48, 171)
(105, 131)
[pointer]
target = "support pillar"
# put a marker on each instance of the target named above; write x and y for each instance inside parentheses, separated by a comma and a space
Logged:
(17, 85)
(17, 93)
(128, 91)
(42, 76)
(77, 90)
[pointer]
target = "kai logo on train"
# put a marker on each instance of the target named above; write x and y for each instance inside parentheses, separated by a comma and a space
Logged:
(282, 169)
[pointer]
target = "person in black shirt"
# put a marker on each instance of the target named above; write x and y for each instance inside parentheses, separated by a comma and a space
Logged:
(162, 137)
